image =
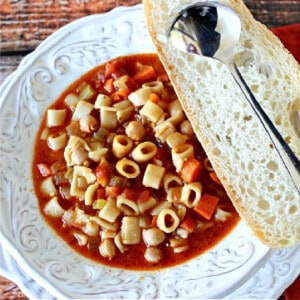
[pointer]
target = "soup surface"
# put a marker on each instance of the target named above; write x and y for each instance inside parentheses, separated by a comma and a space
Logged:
(120, 175)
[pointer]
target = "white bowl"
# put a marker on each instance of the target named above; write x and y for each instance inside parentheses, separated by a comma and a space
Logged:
(28, 241)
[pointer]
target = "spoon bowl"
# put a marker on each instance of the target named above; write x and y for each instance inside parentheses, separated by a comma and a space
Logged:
(207, 29)
(212, 29)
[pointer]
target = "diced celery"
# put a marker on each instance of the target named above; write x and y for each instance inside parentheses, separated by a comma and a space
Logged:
(71, 100)
(101, 134)
(85, 91)
(99, 203)
(69, 174)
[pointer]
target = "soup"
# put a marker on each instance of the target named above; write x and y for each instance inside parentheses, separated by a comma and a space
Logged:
(119, 174)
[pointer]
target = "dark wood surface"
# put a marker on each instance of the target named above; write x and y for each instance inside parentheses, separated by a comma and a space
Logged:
(25, 24)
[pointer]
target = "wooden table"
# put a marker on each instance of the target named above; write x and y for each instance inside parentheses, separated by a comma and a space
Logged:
(25, 24)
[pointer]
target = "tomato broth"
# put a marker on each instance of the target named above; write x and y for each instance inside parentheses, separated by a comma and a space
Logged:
(96, 153)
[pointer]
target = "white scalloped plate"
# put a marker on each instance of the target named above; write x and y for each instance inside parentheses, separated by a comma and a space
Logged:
(50, 267)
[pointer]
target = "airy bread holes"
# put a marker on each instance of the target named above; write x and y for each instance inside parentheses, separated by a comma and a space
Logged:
(293, 209)
(263, 204)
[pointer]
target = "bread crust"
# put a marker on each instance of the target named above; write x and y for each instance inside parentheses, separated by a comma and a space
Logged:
(261, 189)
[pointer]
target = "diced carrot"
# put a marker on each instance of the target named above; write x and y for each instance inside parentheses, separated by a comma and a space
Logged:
(109, 85)
(131, 194)
(188, 224)
(144, 196)
(119, 95)
(144, 73)
(44, 169)
(113, 191)
(153, 97)
(215, 178)
(154, 221)
(103, 173)
(207, 206)
(190, 170)
(99, 203)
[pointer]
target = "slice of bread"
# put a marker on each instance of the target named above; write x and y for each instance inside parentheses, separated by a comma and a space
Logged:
(235, 141)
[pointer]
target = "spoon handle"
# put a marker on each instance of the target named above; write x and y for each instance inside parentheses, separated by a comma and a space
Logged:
(288, 157)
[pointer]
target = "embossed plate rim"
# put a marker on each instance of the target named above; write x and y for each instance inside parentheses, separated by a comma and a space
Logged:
(37, 60)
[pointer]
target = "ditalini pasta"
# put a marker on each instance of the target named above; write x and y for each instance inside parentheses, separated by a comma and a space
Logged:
(120, 175)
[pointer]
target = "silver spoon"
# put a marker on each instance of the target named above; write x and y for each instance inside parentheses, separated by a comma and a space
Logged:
(212, 29)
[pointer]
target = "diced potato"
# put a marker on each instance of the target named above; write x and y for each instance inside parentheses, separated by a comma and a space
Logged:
(53, 208)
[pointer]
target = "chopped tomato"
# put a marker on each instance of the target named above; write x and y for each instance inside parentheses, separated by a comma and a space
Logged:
(144, 196)
(109, 85)
(188, 224)
(113, 191)
(144, 73)
(131, 194)
(119, 95)
(100, 193)
(115, 69)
